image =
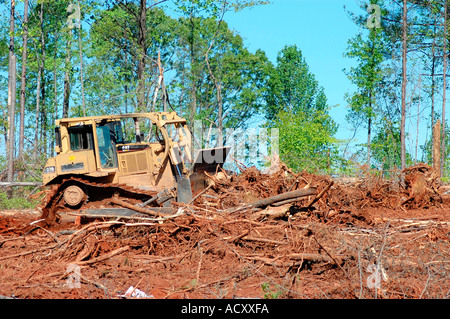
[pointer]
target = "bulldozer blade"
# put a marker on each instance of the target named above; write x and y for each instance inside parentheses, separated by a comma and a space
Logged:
(208, 160)
(184, 191)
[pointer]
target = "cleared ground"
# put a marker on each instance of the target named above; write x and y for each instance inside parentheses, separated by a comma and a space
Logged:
(364, 238)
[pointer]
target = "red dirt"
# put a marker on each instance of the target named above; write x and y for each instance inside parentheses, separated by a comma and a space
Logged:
(220, 248)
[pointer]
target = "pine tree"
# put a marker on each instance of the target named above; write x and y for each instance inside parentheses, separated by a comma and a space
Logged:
(297, 106)
(367, 75)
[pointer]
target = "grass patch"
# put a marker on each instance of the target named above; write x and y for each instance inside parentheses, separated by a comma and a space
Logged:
(16, 202)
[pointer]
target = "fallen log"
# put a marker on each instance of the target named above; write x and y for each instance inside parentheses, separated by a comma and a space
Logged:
(312, 257)
(300, 258)
(283, 197)
(19, 184)
(123, 213)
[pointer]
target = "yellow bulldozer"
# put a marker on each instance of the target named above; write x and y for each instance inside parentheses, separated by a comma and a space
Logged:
(142, 159)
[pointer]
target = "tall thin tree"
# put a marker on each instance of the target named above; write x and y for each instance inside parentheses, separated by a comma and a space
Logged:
(404, 83)
(23, 79)
(39, 79)
(11, 95)
(444, 88)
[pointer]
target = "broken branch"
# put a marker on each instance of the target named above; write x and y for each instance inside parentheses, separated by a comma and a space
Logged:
(326, 189)
(104, 257)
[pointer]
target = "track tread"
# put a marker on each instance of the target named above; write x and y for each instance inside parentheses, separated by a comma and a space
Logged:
(52, 203)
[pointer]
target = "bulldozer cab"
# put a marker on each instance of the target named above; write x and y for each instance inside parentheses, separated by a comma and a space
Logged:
(148, 150)
(82, 138)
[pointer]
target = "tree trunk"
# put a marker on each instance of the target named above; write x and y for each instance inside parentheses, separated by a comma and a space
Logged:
(193, 72)
(433, 81)
(404, 79)
(37, 110)
(43, 132)
(126, 98)
(23, 80)
(158, 83)
(369, 129)
(220, 114)
(302, 192)
(219, 101)
(418, 120)
(81, 71)
(444, 87)
(142, 43)
(369, 133)
(11, 96)
(67, 77)
(55, 91)
(39, 80)
(437, 147)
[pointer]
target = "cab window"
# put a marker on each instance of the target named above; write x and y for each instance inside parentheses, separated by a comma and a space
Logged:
(81, 138)
(106, 147)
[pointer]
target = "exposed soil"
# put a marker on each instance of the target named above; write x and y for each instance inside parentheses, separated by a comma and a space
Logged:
(367, 238)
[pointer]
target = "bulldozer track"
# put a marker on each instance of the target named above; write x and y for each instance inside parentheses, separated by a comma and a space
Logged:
(96, 192)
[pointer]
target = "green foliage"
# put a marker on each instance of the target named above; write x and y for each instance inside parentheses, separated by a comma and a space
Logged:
(241, 75)
(368, 50)
(292, 87)
(183, 43)
(385, 147)
(112, 78)
(108, 45)
(305, 142)
(269, 293)
(368, 74)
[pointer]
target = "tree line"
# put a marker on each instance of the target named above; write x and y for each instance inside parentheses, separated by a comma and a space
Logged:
(62, 59)
(401, 56)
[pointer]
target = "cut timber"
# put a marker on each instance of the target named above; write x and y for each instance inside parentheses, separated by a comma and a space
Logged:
(304, 257)
(437, 147)
(118, 212)
(138, 209)
(285, 196)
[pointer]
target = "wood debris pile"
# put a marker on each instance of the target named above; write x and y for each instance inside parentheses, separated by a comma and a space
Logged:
(327, 197)
(279, 235)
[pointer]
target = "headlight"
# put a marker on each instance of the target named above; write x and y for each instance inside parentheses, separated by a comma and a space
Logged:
(49, 169)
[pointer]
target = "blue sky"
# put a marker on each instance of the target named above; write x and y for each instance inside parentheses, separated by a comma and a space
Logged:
(319, 28)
